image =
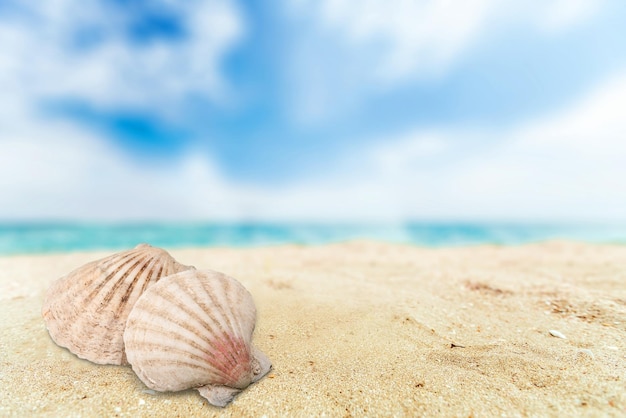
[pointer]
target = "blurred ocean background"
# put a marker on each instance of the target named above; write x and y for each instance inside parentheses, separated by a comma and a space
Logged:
(47, 238)
(231, 122)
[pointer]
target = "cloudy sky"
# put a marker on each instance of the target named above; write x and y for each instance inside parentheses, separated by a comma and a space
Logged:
(326, 110)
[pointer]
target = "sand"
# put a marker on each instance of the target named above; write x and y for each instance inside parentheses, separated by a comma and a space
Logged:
(364, 329)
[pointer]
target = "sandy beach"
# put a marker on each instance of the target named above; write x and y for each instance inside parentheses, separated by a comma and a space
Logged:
(364, 329)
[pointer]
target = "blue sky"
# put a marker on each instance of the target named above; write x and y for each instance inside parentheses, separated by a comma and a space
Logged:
(313, 110)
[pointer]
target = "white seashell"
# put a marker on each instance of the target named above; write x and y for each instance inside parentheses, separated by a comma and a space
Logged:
(194, 330)
(86, 310)
(557, 334)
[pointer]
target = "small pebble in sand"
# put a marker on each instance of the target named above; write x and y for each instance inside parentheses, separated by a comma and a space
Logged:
(557, 334)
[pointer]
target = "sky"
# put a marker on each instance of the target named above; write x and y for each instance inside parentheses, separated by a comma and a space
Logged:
(326, 110)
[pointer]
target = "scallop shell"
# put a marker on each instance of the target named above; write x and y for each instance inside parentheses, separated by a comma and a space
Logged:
(194, 330)
(86, 310)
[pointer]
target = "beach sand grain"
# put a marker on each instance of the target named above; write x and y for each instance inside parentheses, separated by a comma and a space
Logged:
(364, 328)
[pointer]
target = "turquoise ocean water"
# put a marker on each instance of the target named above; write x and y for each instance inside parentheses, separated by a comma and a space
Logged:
(28, 238)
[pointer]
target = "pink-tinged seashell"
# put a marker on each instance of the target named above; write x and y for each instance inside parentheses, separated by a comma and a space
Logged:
(194, 330)
(86, 310)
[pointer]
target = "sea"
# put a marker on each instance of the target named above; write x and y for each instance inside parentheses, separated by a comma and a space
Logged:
(29, 238)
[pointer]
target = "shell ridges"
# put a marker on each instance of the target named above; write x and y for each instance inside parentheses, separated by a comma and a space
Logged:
(86, 310)
(194, 330)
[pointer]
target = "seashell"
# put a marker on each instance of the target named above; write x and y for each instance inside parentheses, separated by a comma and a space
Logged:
(557, 334)
(194, 330)
(86, 310)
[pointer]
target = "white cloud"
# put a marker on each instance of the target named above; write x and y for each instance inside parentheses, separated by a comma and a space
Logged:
(40, 60)
(347, 49)
(55, 169)
(558, 15)
(593, 127)
(61, 172)
(418, 36)
(566, 166)
(422, 37)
